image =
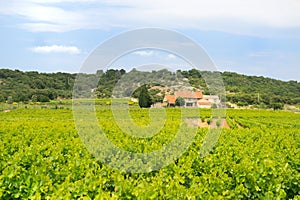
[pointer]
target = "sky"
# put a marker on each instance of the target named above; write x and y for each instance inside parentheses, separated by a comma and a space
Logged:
(250, 37)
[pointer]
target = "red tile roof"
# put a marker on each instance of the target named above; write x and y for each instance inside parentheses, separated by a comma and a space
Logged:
(170, 99)
(191, 95)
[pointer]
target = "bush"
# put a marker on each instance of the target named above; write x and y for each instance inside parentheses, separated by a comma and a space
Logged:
(202, 118)
(209, 120)
(276, 106)
(214, 106)
(218, 123)
(9, 100)
(43, 98)
(241, 104)
(180, 101)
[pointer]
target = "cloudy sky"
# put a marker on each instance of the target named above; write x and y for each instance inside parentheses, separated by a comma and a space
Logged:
(257, 37)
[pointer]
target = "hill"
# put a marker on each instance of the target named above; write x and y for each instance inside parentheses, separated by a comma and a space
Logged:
(251, 89)
(18, 86)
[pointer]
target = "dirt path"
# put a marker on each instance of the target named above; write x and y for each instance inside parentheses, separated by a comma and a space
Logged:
(195, 122)
(225, 124)
(192, 122)
(202, 124)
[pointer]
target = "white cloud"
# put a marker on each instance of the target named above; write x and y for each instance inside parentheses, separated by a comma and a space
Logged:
(233, 16)
(56, 49)
(143, 53)
(171, 56)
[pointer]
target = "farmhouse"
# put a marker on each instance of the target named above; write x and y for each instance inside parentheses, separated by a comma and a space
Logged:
(192, 99)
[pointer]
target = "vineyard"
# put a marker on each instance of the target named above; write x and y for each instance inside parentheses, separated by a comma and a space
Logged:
(43, 157)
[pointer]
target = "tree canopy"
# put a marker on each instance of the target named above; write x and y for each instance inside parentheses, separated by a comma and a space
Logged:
(19, 86)
(179, 101)
(144, 98)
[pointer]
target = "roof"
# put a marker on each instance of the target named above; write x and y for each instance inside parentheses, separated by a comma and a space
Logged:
(204, 102)
(191, 95)
(170, 99)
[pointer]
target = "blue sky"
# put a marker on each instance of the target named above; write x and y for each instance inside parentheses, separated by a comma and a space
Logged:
(250, 37)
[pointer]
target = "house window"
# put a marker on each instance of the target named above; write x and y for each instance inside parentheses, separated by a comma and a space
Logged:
(189, 104)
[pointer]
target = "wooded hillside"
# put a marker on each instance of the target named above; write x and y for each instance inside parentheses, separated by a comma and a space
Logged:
(18, 86)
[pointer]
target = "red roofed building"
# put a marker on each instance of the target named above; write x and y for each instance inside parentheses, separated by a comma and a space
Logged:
(189, 95)
(169, 100)
(190, 98)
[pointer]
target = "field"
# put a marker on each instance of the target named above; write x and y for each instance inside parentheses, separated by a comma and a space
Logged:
(43, 157)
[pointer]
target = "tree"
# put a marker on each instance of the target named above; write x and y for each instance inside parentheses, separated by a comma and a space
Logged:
(43, 98)
(276, 106)
(144, 98)
(34, 98)
(2, 98)
(9, 100)
(179, 101)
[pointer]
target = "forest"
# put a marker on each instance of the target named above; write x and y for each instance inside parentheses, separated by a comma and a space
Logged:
(18, 86)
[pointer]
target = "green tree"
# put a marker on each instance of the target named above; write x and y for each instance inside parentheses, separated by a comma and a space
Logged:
(10, 100)
(144, 98)
(179, 101)
(43, 98)
(276, 106)
(34, 98)
(2, 98)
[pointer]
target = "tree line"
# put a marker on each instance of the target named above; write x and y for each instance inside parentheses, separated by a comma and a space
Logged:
(18, 86)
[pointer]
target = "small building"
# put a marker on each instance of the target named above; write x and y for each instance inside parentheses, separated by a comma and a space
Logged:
(204, 103)
(169, 100)
(190, 98)
(214, 99)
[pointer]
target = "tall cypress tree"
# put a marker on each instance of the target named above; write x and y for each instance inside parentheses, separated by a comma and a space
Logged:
(144, 98)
